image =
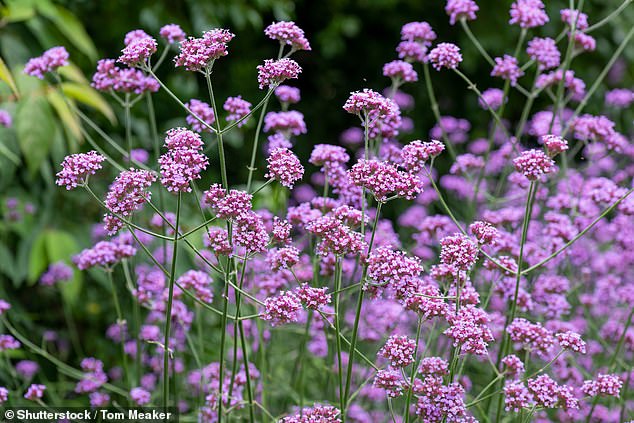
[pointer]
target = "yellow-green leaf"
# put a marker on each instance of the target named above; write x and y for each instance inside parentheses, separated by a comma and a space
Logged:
(6, 76)
(34, 125)
(90, 97)
(68, 118)
(70, 26)
(73, 73)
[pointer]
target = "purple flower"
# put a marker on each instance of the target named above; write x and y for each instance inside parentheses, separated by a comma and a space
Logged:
(172, 33)
(77, 167)
(127, 80)
(4, 307)
(288, 123)
(5, 119)
(604, 385)
(420, 32)
(545, 52)
(574, 18)
(516, 396)
(281, 309)
(49, 61)
(4, 395)
(367, 101)
(287, 94)
(274, 72)
(27, 369)
(528, 13)
(620, 98)
(461, 9)
(135, 35)
(140, 396)
(127, 194)
(197, 54)
(57, 272)
(391, 380)
(445, 55)
(571, 341)
(288, 33)
(8, 342)
(458, 250)
(35, 392)
(313, 298)
(400, 71)
(493, 98)
(506, 68)
(184, 160)
(237, 108)
(227, 205)
(399, 351)
(411, 51)
(284, 166)
(533, 164)
(200, 111)
(554, 144)
(200, 282)
(138, 52)
(104, 254)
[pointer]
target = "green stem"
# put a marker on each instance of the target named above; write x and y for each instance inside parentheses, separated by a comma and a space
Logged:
(122, 325)
(168, 311)
(256, 138)
(336, 317)
(414, 371)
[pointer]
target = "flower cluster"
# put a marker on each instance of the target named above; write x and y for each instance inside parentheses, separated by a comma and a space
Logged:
(76, 169)
(49, 61)
(184, 160)
(198, 54)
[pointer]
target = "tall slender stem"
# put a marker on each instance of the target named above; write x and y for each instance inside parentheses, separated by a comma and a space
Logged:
(336, 317)
(168, 311)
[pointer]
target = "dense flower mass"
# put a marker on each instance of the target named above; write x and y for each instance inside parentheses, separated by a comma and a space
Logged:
(274, 72)
(184, 160)
(197, 54)
(77, 168)
(49, 61)
(445, 55)
(500, 292)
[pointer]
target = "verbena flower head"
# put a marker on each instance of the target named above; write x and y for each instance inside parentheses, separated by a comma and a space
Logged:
(56, 272)
(549, 394)
(49, 61)
(400, 71)
(416, 153)
(458, 250)
(35, 392)
(514, 365)
(227, 205)
(77, 167)
(620, 98)
(287, 94)
(554, 144)
(288, 123)
(545, 52)
(197, 54)
(202, 111)
(411, 51)
(335, 237)
(172, 33)
(575, 86)
(603, 385)
(127, 194)
(4, 395)
(237, 108)
(399, 351)
(5, 119)
(251, 233)
(507, 68)
(134, 36)
(532, 336)
(328, 155)
(484, 232)
(391, 381)
(140, 396)
(274, 72)
(284, 167)
(288, 33)
(317, 413)
(8, 342)
(461, 9)
(433, 366)
(367, 101)
(184, 160)
(528, 13)
(533, 164)
(469, 330)
(126, 80)
(420, 32)
(516, 396)
(200, 282)
(445, 55)
(104, 254)
(283, 258)
(492, 98)
(4, 307)
(574, 18)
(383, 178)
(571, 341)
(281, 309)
(138, 52)
(313, 298)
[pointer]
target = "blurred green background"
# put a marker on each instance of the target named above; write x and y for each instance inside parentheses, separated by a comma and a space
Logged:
(351, 41)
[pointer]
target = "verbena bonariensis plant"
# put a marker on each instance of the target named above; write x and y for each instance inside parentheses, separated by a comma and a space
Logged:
(515, 307)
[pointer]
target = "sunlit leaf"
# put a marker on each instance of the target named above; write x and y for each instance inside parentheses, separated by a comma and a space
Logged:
(70, 26)
(6, 76)
(90, 97)
(34, 126)
(68, 118)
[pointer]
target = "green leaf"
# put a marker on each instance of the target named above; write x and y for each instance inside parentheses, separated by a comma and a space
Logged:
(38, 259)
(73, 73)
(16, 11)
(7, 263)
(70, 26)
(6, 76)
(61, 246)
(68, 118)
(34, 126)
(89, 96)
